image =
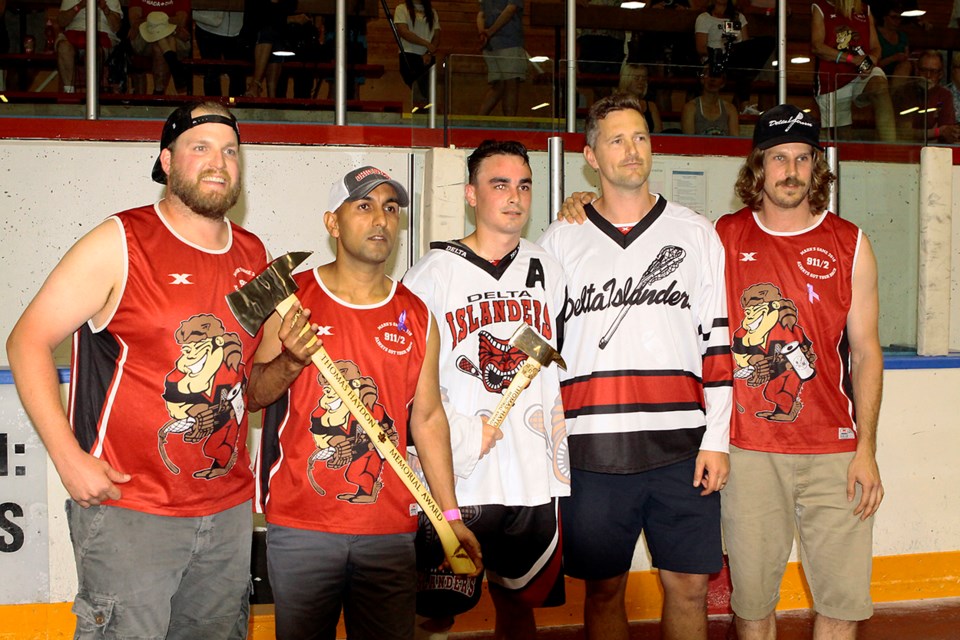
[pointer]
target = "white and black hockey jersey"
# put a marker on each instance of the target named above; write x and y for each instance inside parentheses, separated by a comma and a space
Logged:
(478, 306)
(646, 339)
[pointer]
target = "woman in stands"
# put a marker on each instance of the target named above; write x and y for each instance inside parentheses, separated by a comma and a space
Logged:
(418, 25)
(635, 78)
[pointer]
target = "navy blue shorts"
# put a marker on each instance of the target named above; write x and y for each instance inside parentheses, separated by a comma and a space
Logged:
(605, 514)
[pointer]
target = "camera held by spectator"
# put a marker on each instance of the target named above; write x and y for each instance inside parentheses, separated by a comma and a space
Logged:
(718, 58)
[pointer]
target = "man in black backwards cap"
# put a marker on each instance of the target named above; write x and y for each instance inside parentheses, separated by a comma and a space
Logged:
(802, 300)
(153, 450)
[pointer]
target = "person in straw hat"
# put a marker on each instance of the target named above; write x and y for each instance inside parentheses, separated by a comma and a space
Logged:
(160, 31)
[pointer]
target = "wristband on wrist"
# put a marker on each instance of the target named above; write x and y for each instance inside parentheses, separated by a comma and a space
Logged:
(936, 132)
(452, 514)
(839, 55)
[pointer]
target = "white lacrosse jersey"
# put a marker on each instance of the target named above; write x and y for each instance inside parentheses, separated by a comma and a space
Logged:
(478, 306)
(645, 337)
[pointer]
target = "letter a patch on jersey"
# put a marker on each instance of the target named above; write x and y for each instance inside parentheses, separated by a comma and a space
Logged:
(535, 274)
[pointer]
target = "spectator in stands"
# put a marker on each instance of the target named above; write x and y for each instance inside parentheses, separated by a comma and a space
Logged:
(722, 41)
(634, 79)
(272, 15)
(894, 42)
(954, 86)
(4, 41)
(220, 36)
(710, 114)
(955, 14)
(935, 120)
(160, 30)
(500, 23)
(418, 24)
(847, 73)
(72, 38)
(601, 51)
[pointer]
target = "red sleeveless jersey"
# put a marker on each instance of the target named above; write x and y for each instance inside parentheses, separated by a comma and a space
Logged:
(843, 34)
(788, 298)
(159, 391)
(317, 469)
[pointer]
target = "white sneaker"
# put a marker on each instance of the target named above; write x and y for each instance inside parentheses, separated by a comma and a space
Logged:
(751, 110)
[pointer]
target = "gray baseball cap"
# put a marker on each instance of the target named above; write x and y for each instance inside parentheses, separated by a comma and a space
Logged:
(360, 182)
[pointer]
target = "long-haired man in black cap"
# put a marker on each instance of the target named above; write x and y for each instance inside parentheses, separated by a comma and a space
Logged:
(808, 372)
(152, 449)
(340, 522)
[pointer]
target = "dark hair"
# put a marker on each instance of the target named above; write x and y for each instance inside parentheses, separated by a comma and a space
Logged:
(489, 148)
(427, 10)
(730, 13)
(749, 187)
(618, 101)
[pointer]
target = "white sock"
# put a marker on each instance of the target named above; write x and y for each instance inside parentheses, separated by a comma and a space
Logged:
(68, 88)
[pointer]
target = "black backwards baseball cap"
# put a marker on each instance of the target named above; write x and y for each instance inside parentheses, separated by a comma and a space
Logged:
(786, 123)
(181, 120)
(360, 182)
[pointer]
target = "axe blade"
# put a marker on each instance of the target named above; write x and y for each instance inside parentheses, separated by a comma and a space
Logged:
(531, 343)
(253, 303)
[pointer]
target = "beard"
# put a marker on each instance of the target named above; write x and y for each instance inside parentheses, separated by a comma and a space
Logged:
(213, 204)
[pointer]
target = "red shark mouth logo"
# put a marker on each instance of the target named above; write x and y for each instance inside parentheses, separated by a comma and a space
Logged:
(499, 362)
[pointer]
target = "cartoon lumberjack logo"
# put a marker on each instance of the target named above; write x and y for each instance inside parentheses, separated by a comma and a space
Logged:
(342, 442)
(204, 394)
(771, 350)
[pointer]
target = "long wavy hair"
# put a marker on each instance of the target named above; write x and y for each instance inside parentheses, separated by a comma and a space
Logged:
(849, 7)
(749, 185)
(427, 10)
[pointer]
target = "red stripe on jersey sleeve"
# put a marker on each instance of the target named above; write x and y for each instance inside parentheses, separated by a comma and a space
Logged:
(717, 368)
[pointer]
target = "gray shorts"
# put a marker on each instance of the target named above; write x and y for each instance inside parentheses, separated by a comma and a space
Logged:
(506, 64)
(844, 98)
(314, 574)
(146, 576)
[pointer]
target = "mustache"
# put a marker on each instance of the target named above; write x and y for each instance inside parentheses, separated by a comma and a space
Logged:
(216, 174)
(792, 182)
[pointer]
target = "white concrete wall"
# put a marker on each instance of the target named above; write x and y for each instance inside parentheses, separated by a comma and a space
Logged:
(53, 192)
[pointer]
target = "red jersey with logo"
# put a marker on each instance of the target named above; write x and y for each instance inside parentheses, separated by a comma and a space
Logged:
(158, 391)
(317, 467)
(843, 34)
(789, 295)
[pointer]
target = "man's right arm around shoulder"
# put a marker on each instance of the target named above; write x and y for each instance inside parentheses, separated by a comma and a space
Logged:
(85, 285)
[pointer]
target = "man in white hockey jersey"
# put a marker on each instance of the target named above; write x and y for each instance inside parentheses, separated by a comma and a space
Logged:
(647, 391)
(481, 288)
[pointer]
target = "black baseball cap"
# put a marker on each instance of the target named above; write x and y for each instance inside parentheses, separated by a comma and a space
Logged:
(181, 120)
(360, 182)
(786, 123)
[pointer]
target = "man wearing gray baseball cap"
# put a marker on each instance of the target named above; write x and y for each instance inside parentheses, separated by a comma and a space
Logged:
(802, 301)
(340, 523)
